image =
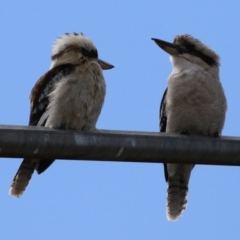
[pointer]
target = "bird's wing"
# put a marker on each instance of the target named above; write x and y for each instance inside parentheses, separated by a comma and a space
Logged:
(162, 113)
(39, 101)
(38, 116)
(163, 124)
(39, 94)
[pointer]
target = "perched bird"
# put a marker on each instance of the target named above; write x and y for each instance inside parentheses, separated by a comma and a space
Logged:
(69, 96)
(193, 104)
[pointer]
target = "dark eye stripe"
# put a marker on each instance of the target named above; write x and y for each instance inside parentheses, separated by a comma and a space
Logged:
(91, 54)
(208, 60)
(190, 47)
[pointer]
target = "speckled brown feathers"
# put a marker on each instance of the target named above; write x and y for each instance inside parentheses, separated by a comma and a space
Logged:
(39, 94)
(193, 104)
(69, 96)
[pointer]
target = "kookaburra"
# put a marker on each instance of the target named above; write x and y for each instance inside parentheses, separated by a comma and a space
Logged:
(69, 96)
(193, 104)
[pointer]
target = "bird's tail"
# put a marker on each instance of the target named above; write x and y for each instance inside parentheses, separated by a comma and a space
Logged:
(177, 190)
(22, 177)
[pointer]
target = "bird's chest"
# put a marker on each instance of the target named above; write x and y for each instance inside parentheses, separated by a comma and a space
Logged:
(195, 89)
(194, 103)
(82, 89)
(77, 100)
(79, 94)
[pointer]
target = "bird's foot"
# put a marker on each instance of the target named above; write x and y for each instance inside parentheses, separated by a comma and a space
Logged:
(216, 134)
(184, 132)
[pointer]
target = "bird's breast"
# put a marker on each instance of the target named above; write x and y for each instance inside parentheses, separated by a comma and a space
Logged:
(77, 100)
(195, 102)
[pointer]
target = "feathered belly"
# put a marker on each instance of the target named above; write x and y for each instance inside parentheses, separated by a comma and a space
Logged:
(76, 105)
(205, 119)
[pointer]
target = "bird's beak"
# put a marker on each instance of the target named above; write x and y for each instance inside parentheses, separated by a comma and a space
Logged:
(168, 47)
(104, 65)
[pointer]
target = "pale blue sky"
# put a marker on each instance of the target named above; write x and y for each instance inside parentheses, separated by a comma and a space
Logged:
(117, 201)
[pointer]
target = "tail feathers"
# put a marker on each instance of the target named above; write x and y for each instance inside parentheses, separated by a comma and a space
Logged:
(22, 177)
(176, 201)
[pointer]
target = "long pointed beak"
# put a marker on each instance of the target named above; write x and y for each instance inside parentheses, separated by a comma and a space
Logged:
(168, 47)
(104, 65)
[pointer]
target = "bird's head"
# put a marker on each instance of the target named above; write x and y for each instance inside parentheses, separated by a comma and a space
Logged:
(75, 49)
(187, 49)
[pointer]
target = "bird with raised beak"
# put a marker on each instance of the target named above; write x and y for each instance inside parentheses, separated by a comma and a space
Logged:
(69, 96)
(193, 104)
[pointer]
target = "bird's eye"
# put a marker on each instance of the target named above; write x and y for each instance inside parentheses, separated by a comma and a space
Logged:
(94, 54)
(91, 54)
(190, 47)
(84, 51)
